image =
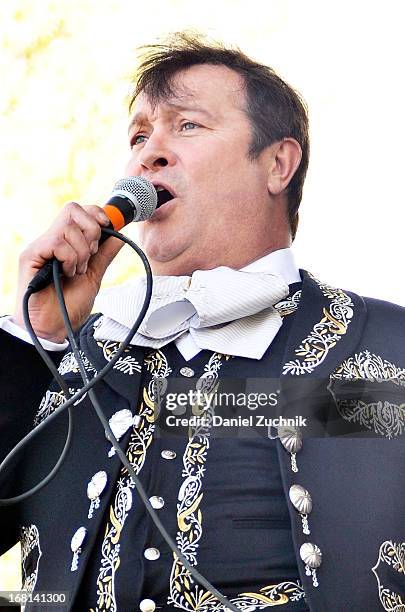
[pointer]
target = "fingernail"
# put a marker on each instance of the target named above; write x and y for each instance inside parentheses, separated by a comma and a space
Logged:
(94, 247)
(102, 218)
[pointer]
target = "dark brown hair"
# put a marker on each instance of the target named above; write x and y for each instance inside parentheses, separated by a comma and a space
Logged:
(275, 109)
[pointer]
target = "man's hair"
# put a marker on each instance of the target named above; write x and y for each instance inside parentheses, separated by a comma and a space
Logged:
(275, 109)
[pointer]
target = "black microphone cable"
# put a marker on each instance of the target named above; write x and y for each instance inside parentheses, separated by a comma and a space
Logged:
(73, 399)
(88, 388)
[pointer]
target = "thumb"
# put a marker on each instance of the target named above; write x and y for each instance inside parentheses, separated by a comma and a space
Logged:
(99, 263)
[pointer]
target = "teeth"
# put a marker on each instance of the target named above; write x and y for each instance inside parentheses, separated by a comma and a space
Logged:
(159, 188)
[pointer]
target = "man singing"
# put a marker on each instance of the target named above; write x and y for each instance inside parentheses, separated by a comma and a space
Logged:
(286, 519)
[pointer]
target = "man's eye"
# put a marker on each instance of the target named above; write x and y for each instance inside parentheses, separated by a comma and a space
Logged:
(138, 139)
(189, 125)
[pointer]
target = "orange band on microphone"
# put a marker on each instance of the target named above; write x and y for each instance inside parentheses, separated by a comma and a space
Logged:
(116, 217)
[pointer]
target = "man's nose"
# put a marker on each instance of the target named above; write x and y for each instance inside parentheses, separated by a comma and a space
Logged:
(155, 154)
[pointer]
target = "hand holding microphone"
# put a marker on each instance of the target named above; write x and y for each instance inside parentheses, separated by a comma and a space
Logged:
(74, 239)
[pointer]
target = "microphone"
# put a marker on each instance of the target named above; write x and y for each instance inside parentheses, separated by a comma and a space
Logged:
(132, 199)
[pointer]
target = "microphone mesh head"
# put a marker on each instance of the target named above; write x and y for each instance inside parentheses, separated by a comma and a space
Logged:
(141, 193)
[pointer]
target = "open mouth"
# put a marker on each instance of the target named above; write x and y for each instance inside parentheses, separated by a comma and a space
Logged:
(163, 196)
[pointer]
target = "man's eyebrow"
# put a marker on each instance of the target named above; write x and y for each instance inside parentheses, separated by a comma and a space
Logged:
(142, 117)
(190, 107)
(137, 118)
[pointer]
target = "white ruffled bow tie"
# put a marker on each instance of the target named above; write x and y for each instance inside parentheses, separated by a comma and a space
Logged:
(224, 310)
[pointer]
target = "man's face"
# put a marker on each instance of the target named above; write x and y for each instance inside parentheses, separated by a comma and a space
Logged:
(196, 145)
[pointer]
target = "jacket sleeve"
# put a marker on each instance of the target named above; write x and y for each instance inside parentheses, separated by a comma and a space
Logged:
(24, 378)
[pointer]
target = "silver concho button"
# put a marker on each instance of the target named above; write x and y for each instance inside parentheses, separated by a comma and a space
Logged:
(311, 555)
(157, 502)
(147, 605)
(120, 422)
(290, 438)
(96, 485)
(78, 539)
(168, 454)
(151, 554)
(300, 499)
(188, 372)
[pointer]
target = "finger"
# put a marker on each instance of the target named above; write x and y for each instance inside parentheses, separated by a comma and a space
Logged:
(98, 214)
(88, 219)
(66, 255)
(76, 239)
(43, 249)
(101, 218)
(70, 242)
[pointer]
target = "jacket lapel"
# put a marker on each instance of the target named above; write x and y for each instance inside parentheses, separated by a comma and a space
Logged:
(128, 368)
(89, 452)
(327, 327)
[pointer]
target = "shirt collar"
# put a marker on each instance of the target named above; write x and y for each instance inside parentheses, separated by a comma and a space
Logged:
(280, 262)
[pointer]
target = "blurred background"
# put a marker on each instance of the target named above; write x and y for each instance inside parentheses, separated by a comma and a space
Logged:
(65, 69)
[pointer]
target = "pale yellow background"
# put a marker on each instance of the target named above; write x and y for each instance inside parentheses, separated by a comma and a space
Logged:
(64, 69)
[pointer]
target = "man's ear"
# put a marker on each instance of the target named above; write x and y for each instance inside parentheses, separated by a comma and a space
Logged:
(285, 159)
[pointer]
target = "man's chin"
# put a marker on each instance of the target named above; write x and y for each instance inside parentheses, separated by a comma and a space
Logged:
(166, 262)
(175, 266)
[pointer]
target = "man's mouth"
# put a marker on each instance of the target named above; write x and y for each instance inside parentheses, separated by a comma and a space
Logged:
(163, 195)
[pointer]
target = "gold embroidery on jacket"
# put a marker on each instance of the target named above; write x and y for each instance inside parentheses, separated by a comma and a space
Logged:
(393, 555)
(289, 305)
(384, 417)
(268, 596)
(141, 438)
(185, 593)
(49, 403)
(324, 335)
(126, 364)
(371, 367)
(69, 364)
(30, 556)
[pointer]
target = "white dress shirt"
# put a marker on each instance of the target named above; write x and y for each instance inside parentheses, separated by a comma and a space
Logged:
(279, 262)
